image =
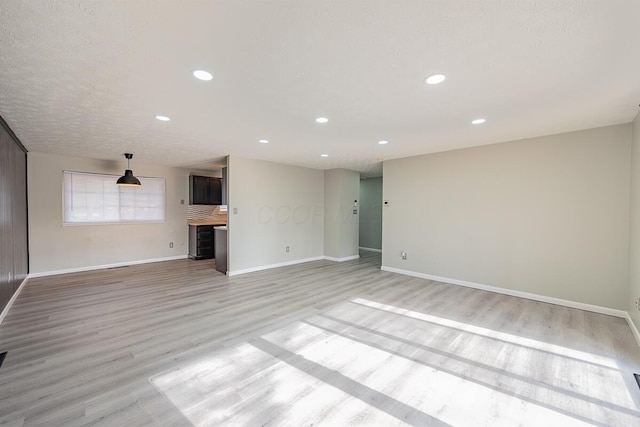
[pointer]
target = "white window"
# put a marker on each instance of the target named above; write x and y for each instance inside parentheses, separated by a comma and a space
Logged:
(91, 198)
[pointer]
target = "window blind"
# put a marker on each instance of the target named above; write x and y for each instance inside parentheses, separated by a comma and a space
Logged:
(94, 198)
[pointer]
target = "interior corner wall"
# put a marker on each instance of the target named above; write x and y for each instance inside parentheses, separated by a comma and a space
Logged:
(341, 224)
(57, 248)
(634, 233)
(273, 206)
(370, 213)
(546, 216)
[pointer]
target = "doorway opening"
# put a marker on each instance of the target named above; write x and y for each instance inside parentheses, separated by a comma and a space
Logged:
(370, 233)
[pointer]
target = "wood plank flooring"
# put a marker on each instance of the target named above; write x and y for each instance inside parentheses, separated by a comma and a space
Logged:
(322, 343)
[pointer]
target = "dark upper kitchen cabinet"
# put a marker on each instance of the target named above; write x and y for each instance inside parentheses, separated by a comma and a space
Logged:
(205, 190)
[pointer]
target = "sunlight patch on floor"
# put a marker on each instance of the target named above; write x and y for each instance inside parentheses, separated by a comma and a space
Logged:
(226, 389)
(511, 338)
(345, 367)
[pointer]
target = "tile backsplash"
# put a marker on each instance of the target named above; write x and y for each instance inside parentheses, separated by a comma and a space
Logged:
(206, 213)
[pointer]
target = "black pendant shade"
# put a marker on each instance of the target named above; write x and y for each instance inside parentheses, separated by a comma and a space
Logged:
(128, 179)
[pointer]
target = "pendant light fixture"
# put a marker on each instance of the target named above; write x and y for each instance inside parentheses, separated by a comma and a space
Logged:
(128, 179)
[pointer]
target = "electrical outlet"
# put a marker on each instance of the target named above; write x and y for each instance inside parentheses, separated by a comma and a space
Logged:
(170, 244)
(403, 254)
(286, 249)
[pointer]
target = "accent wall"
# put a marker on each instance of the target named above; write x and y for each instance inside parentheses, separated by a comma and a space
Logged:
(14, 250)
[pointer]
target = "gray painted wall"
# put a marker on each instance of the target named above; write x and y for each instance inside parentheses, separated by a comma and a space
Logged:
(371, 213)
(341, 190)
(547, 216)
(277, 206)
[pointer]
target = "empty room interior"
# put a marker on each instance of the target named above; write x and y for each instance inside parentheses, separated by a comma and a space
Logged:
(282, 212)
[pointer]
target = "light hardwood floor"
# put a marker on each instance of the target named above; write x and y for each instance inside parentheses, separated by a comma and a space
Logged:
(321, 343)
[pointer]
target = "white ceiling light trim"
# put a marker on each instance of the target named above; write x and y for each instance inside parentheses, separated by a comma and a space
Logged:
(202, 75)
(324, 155)
(434, 79)
(263, 141)
(383, 142)
(478, 121)
(162, 118)
(322, 120)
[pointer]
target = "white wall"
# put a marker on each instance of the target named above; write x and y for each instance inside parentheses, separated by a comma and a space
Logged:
(341, 190)
(371, 213)
(634, 234)
(547, 216)
(277, 206)
(54, 247)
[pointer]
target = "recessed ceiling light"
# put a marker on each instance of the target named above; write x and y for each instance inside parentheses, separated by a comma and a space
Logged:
(322, 120)
(163, 118)
(202, 75)
(324, 155)
(478, 121)
(263, 141)
(383, 142)
(435, 79)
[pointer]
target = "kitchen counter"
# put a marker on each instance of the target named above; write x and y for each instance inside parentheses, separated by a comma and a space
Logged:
(205, 222)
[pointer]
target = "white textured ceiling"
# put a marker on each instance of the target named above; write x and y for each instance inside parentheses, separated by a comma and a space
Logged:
(86, 78)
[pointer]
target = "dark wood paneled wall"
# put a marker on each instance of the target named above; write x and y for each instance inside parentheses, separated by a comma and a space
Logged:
(14, 241)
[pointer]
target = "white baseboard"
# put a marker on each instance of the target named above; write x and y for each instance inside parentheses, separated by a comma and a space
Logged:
(269, 266)
(370, 249)
(535, 297)
(286, 263)
(343, 259)
(12, 300)
(633, 327)
(103, 266)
